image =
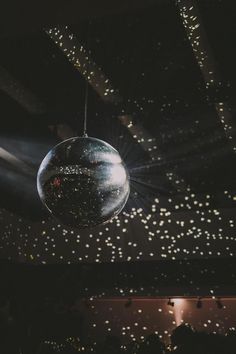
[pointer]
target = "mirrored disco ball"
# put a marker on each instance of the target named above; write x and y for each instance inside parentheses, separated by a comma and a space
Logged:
(83, 182)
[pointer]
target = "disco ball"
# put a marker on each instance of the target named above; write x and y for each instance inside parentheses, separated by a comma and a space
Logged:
(83, 182)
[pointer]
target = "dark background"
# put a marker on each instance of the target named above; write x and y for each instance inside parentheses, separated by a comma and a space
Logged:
(182, 161)
(182, 205)
(176, 235)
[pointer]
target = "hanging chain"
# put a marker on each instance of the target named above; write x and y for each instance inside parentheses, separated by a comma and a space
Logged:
(85, 135)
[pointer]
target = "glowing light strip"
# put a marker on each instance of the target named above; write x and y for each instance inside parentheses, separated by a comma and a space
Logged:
(198, 39)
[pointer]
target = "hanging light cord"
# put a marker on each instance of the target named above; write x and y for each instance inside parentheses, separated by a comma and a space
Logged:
(85, 135)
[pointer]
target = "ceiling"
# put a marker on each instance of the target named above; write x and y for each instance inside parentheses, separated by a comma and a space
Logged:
(182, 155)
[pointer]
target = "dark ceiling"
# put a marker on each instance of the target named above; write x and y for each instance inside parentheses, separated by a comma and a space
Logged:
(27, 16)
(143, 49)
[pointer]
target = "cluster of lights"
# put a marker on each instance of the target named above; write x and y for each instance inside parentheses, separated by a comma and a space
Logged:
(135, 322)
(198, 39)
(207, 232)
(164, 231)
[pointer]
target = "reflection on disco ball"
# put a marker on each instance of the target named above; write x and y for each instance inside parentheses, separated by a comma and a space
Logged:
(83, 182)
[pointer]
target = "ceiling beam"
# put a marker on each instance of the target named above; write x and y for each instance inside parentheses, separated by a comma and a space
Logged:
(18, 92)
(81, 59)
(203, 53)
(30, 102)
